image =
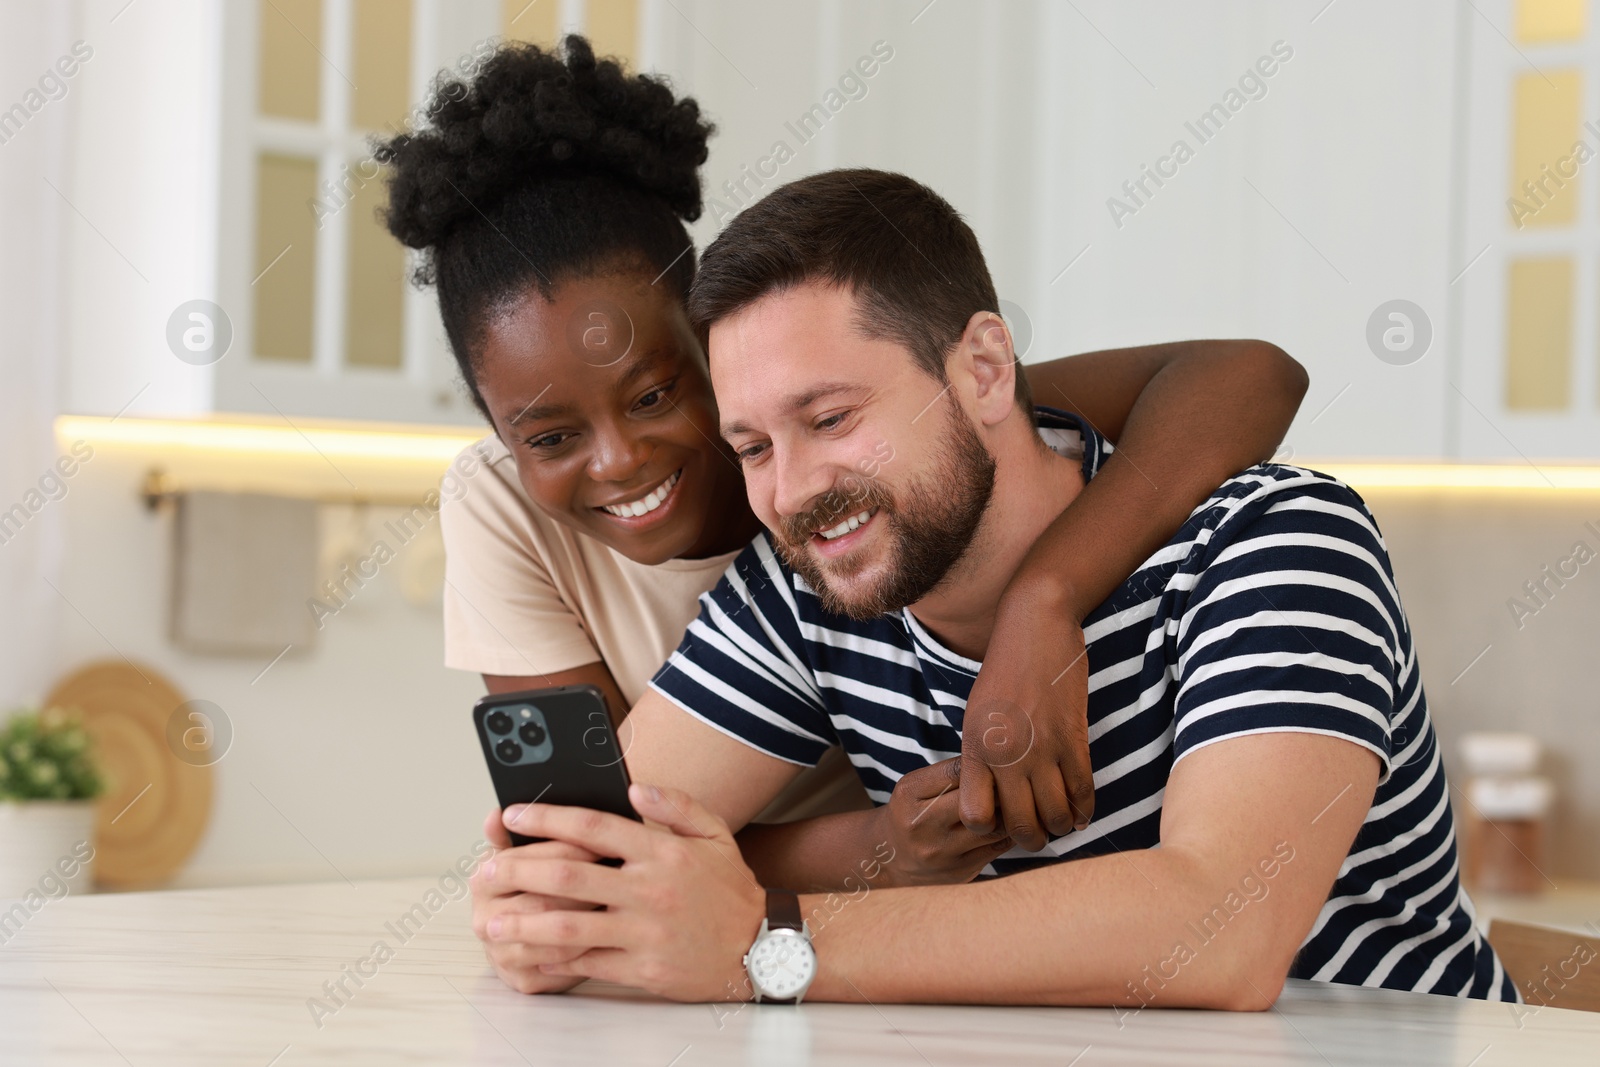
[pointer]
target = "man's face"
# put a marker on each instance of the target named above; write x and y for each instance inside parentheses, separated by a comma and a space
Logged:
(869, 473)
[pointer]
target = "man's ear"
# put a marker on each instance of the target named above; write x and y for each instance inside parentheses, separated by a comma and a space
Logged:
(987, 355)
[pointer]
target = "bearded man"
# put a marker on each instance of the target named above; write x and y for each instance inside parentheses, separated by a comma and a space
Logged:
(1270, 801)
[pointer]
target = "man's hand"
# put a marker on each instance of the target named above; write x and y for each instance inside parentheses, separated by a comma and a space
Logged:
(1025, 736)
(678, 916)
(518, 964)
(922, 825)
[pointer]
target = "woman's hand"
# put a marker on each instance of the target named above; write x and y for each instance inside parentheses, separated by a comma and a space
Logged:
(920, 839)
(1025, 736)
(516, 963)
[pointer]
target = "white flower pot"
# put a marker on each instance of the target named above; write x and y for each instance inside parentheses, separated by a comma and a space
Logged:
(46, 849)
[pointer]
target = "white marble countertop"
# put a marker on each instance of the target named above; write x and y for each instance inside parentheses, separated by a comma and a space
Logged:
(223, 976)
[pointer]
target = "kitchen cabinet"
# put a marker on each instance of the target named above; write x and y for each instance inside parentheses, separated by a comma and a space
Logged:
(1367, 168)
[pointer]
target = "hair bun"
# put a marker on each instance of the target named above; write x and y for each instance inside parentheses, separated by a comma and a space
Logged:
(532, 113)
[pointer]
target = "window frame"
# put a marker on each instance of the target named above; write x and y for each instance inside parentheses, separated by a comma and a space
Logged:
(423, 387)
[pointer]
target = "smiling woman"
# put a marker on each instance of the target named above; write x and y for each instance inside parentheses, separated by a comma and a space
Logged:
(623, 447)
(548, 195)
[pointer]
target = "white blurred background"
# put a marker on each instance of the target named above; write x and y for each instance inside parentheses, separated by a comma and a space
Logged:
(1337, 156)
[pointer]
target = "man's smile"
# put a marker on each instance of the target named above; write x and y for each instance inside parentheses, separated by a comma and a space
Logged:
(839, 540)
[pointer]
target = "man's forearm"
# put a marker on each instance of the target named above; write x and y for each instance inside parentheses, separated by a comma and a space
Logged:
(1128, 930)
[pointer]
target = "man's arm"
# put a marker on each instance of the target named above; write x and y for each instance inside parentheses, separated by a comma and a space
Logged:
(1253, 835)
(920, 826)
(1198, 922)
(666, 746)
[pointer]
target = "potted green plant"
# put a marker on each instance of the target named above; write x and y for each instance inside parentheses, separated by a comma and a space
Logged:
(48, 784)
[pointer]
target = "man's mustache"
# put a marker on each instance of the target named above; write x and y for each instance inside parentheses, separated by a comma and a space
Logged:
(851, 495)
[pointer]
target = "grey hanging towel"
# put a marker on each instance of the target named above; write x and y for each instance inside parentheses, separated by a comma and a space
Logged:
(243, 565)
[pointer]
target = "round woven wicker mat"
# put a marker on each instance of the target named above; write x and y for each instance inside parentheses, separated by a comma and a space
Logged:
(155, 805)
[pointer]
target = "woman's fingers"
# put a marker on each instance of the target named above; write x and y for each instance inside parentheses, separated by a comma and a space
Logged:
(1079, 776)
(976, 859)
(977, 795)
(1050, 800)
(933, 781)
(1022, 822)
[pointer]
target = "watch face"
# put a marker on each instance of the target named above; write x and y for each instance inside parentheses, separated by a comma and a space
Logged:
(782, 964)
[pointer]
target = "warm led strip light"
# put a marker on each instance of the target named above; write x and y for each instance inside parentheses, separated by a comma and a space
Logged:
(301, 440)
(440, 446)
(1546, 477)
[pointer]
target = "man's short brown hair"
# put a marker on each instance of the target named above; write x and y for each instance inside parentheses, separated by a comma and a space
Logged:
(912, 262)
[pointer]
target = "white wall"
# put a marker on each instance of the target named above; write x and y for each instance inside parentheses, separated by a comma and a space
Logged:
(1459, 560)
(142, 236)
(1029, 116)
(32, 275)
(353, 758)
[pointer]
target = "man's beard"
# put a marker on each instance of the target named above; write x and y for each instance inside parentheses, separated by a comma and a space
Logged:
(931, 523)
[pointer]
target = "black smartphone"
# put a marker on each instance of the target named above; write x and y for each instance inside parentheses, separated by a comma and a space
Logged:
(553, 746)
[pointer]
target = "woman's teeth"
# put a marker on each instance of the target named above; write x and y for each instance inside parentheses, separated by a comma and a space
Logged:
(645, 504)
(846, 526)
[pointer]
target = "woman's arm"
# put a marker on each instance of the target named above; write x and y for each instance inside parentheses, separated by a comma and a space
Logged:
(915, 839)
(1184, 417)
(1255, 382)
(595, 674)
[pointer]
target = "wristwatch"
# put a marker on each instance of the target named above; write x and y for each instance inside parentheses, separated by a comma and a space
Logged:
(781, 963)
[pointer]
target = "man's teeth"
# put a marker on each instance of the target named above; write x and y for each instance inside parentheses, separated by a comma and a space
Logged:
(846, 526)
(647, 503)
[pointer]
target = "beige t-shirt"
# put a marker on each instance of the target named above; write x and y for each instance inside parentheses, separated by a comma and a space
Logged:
(525, 595)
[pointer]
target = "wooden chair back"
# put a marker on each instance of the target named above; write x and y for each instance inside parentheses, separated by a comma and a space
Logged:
(1552, 968)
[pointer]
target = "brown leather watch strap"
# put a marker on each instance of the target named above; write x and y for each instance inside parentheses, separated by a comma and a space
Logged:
(783, 910)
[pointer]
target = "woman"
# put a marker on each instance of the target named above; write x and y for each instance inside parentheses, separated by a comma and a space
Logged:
(548, 197)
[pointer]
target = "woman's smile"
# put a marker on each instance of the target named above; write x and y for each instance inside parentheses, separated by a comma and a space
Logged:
(636, 511)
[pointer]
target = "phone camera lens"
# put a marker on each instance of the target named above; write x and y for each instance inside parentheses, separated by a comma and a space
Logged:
(532, 733)
(499, 722)
(508, 751)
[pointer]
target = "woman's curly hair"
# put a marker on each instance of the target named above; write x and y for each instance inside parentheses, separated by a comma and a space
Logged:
(545, 165)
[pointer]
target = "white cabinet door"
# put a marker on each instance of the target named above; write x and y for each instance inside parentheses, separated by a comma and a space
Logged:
(1528, 386)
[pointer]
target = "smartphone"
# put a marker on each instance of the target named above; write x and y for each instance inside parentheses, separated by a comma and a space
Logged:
(553, 746)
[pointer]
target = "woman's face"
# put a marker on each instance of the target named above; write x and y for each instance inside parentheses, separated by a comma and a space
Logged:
(603, 397)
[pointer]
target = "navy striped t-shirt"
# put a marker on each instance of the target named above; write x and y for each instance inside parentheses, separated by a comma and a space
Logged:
(1273, 609)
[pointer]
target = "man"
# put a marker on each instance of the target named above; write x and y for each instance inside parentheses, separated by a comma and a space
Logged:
(1269, 796)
